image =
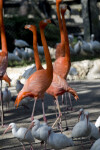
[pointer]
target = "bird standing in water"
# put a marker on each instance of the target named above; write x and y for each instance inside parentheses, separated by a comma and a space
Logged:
(3, 56)
(36, 85)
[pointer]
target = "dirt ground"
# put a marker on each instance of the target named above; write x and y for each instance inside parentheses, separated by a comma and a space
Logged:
(89, 97)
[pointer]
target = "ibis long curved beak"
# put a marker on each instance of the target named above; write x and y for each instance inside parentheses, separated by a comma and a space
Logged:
(30, 127)
(9, 127)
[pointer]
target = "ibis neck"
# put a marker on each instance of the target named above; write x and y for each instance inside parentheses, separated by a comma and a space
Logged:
(67, 49)
(46, 52)
(14, 131)
(3, 37)
(36, 54)
(60, 23)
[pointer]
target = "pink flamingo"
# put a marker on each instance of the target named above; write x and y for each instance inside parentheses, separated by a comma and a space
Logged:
(36, 85)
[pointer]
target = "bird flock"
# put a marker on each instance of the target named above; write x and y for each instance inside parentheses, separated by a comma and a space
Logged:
(52, 80)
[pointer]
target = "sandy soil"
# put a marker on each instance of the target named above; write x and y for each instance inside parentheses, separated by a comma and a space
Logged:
(89, 97)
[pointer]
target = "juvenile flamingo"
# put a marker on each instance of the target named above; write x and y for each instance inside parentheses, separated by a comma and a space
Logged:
(36, 85)
(58, 85)
(3, 55)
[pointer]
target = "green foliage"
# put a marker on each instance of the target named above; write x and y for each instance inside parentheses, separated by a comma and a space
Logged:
(14, 28)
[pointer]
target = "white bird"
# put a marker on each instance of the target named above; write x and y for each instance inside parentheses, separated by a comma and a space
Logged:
(7, 96)
(96, 145)
(82, 128)
(28, 72)
(39, 131)
(19, 133)
(95, 44)
(30, 52)
(95, 133)
(19, 86)
(17, 52)
(97, 123)
(86, 47)
(40, 50)
(73, 71)
(13, 57)
(71, 38)
(94, 130)
(59, 141)
(20, 43)
(77, 47)
(25, 55)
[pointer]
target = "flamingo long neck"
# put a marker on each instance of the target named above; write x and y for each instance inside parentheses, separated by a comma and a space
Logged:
(3, 37)
(46, 52)
(60, 23)
(36, 54)
(67, 49)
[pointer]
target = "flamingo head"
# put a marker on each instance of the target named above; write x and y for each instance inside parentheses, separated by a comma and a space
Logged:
(64, 8)
(45, 22)
(30, 27)
(20, 96)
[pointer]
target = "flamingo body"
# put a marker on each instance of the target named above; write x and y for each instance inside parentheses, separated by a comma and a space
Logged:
(58, 69)
(40, 131)
(36, 80)
(60, 86)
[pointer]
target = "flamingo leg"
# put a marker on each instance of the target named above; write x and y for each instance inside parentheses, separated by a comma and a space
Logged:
(56, 111)
(55, 108)
(60, 114)
(32, 115)
(2, 112)
(44, 117)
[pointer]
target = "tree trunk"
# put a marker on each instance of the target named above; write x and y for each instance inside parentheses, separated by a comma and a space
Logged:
(86, 22)
(94, 14)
